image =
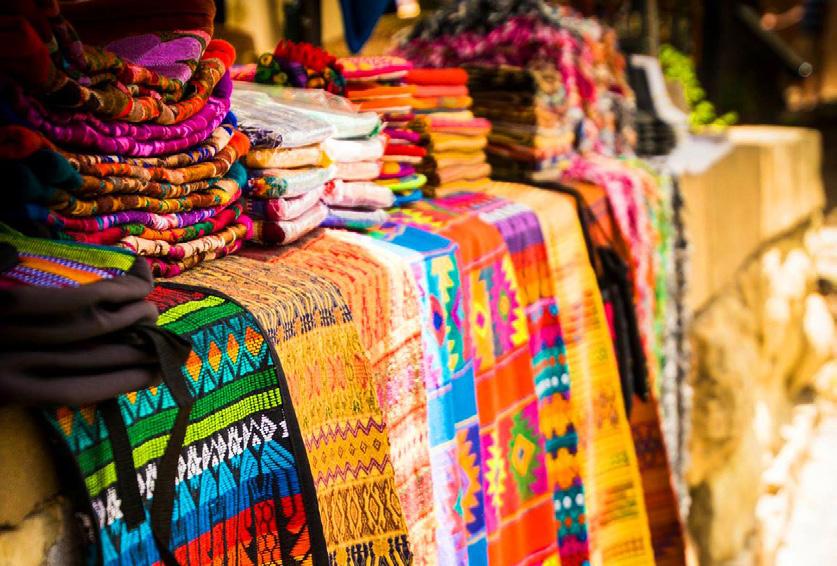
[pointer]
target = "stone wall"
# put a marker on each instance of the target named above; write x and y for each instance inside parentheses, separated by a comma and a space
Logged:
(757, 345)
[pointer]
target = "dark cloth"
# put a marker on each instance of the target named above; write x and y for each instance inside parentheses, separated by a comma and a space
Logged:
(814, 16)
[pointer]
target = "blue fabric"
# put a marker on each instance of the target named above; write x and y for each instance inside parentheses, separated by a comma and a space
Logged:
(359, 19)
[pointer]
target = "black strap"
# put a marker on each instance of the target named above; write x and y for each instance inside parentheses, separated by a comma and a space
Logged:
(173, 351)
(123, 459)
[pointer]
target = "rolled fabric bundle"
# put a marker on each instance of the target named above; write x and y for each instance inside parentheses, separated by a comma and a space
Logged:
(285, 158)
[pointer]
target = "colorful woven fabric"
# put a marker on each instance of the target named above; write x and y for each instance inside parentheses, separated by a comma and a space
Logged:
(214, 222)
(299, 65)
(46, 263)
(517, 500)
(287, 231)
(383, 298)
(433, 91)
(240, 228)
(357, 194)
(449, 376)
(522, 233)
(221, 192)
(344, 432)
(164, 267)
(354, 219)
(451, 142)
(616, 512)
(275, 183)
(283, 208)
(241, 402)
(394, 170)
(204, 151)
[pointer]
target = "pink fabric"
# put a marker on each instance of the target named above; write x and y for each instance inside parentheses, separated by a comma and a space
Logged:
(357, 194)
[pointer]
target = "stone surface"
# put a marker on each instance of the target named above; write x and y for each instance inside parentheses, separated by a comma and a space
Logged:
(758, 347)
(42, 538)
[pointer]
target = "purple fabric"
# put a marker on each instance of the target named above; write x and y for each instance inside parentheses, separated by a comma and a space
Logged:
(101, 222)
(402, 134)
(167, 57)
(83, 131)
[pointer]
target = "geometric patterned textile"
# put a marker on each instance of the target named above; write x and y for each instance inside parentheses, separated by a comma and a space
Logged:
(522, 233)
(381, 292)
(243, 490)
(516, 509)
(615, 503)
(333, 393)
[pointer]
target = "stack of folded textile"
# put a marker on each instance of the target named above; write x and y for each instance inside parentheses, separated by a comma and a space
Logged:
(377, 83)
(95, 339)
(143, 157)
(286, 168)
(455, 140)
(531, 136)
(552, 83)
(353, 199)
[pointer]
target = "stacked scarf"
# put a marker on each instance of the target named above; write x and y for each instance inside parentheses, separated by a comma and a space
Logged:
(454, 139)
(286, 169)
(377, 83)
(143, 157)
(550, 82)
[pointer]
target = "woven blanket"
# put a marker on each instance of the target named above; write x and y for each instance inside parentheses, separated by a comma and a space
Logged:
(219, 219)
(522, 233)
(645, 419)
(408, 183)
(347, 151)
(165, 267)
(381, 292)
(517, 502)
(220, 192)
(203, 151)
(616, 511)
(342, 426)
(448, 357)
(374, 67)
(239, 489)
(228, 150)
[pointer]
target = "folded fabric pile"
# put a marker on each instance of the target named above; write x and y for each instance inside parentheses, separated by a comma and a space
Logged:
(94, 339)
(286, 168)
(455, 140)
(377, 83)
(354, 200)
(552, 84)
(145, 155)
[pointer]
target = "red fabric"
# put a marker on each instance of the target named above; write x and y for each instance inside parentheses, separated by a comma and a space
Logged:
(25, 56)
(98, 22)
(17, 142)
(449, 76)
(411, 150)
(218, 48)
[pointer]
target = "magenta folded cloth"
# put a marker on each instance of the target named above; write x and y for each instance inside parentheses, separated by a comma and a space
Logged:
(357, 194)
(287, 231)
(408, 136)
(79, 130)
(275, 209)
(395, 170)
(100, 222)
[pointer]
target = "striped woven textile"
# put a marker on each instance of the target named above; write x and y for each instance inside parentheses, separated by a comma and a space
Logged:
(240, 488)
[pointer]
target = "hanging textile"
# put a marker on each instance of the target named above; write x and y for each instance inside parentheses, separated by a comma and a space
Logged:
(340, 418)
